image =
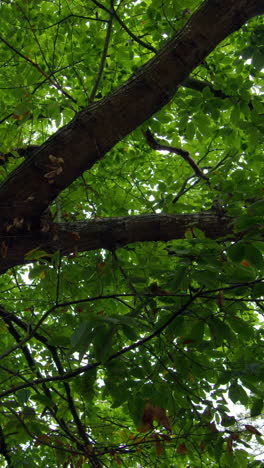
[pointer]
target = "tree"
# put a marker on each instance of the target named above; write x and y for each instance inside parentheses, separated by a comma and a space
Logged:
(131, 237)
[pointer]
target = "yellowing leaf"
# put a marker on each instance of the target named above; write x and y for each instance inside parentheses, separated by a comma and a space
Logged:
(245, 263)
(152, 413)
(162, 418)
(182, 449)
(19, 116)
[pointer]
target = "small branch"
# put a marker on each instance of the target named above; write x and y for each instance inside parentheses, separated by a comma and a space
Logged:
(199, 85)
(124, 274)
(70, 399)
(29, 335)
(42, 72)
(8, 318)
(88, 367)
(103, 59)
(184, 189)
(6, 117)
(101, 6)
(172, 149)
(13, 373)
(87, 18)
(131, 34)
(58, 281)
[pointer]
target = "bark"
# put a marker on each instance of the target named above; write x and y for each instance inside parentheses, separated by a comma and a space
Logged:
(95, 130)
(112, 233)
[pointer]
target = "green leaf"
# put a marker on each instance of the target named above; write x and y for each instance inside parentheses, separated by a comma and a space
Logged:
(132, 253)
(61, 455)
(208, 278)
(240, 326)
(218, 450)
(23, 395)
(196, 331)
(256, 407)
(237, 393)
(82, 338)
(256, 209)
(36, 254)
(258, 290)
(43, 399)
(103, 342)
(258, 58)
(245, 221)
(29, 412)
(220, 330)
(254, 256)
(236, 252)
(228, 421)
(129, 332)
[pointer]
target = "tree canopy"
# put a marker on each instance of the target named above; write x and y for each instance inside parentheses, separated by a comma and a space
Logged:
(131, 235)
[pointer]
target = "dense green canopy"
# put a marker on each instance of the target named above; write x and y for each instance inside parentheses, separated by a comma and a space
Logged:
(131, 234)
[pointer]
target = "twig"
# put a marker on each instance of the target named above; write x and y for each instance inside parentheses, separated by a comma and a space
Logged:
(184, 189)
(131, 34)
(29, 335)
(103, 59)
(172, 149)
(87, 18)
(58, 280)
(88, 367)
(35, 65)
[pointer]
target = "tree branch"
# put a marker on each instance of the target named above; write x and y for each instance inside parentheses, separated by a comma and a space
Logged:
(96, 129)
(130, 33)
(199, 85)
(109, 233)
(122, 351)
(103, 60)
(172, 149)
(85, 368)
(35, 65)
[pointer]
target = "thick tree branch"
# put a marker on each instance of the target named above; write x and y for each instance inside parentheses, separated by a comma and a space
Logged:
(96, 129)
(111, 233)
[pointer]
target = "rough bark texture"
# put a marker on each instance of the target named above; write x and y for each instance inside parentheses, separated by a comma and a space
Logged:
(95, 130)
(111, 233)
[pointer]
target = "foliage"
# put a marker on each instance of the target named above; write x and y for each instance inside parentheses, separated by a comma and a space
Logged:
(132, 356)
